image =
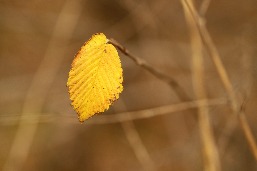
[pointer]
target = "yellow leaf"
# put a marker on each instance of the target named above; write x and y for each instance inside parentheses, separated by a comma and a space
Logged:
(95, 78)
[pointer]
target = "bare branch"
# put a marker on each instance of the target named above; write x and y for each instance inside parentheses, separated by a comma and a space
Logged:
(169, 80)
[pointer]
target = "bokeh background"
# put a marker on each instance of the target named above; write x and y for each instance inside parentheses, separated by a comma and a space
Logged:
(39, 129)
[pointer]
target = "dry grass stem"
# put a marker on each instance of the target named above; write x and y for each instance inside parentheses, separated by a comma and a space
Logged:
(232, 122)
(135, 140)
(213, 53)
(211, 156)
(137, 145)
(190, 113)
(204, 7)
(118, 117)
(158, 111)
(38, 89)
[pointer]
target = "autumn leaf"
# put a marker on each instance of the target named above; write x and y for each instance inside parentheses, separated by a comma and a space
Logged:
(95, 79)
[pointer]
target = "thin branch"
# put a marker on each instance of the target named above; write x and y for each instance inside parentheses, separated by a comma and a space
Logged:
(140, 62)
(211, 156)
(158, 111)
(41, 83)
(174, 85)
(115, 118)
(213, 53)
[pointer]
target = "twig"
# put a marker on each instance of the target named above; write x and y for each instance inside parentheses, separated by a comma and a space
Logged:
(118, 117)
(41, 83)
(213, 53)
(179, 91)
(158, 111)
(211, 157)
(170, 81)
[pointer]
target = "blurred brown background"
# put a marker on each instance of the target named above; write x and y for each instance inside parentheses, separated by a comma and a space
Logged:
(40, 131)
